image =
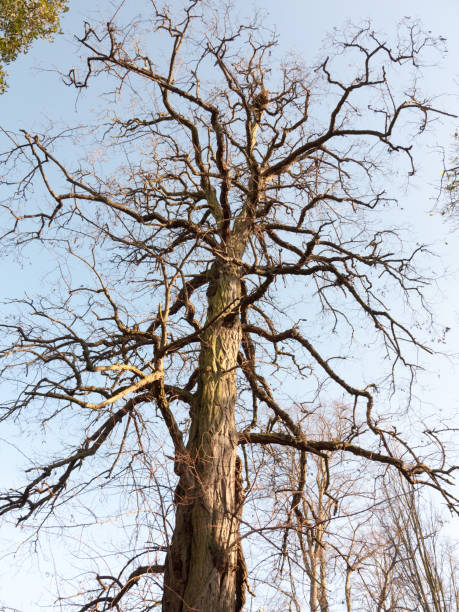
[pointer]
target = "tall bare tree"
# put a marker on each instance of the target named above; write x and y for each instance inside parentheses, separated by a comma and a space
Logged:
(229, 226)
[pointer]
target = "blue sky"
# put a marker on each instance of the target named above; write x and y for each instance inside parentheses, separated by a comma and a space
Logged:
(37, 97)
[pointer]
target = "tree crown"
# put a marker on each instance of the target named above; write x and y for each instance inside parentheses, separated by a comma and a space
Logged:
(21, 23)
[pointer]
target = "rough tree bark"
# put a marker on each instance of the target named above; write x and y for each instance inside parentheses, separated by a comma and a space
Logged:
(205, 567)
(202, 563)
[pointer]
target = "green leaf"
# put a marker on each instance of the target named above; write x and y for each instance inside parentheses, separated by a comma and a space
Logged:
(21, 23)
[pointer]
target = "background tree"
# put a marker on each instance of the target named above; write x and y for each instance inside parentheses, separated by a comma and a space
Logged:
(21, 23)
(317, 544)
(222, 189)
(451, 182)
(414, 568)
(358, 545)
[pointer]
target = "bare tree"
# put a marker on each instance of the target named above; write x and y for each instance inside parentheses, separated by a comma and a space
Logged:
(450, 180)
(379, 550)
(330, 534)
(229, 228)
(414, 568)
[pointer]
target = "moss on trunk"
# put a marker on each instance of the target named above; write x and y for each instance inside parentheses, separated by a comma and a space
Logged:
(202, 563)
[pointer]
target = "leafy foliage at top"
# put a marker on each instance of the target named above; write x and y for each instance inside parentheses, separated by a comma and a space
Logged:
(22, 22)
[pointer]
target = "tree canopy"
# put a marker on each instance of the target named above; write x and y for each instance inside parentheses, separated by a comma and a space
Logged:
(21, 23)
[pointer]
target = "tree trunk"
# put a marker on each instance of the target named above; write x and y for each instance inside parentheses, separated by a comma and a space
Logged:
(201, 571)
(347, 589)
(323, 598)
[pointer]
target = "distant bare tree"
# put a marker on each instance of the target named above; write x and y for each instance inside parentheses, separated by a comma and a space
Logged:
(414, 569)
(450, 180)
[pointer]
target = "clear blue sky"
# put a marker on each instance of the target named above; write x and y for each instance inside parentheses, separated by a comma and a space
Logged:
(37, 97)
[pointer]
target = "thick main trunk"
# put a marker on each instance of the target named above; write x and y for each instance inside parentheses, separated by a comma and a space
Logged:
(201, 571)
